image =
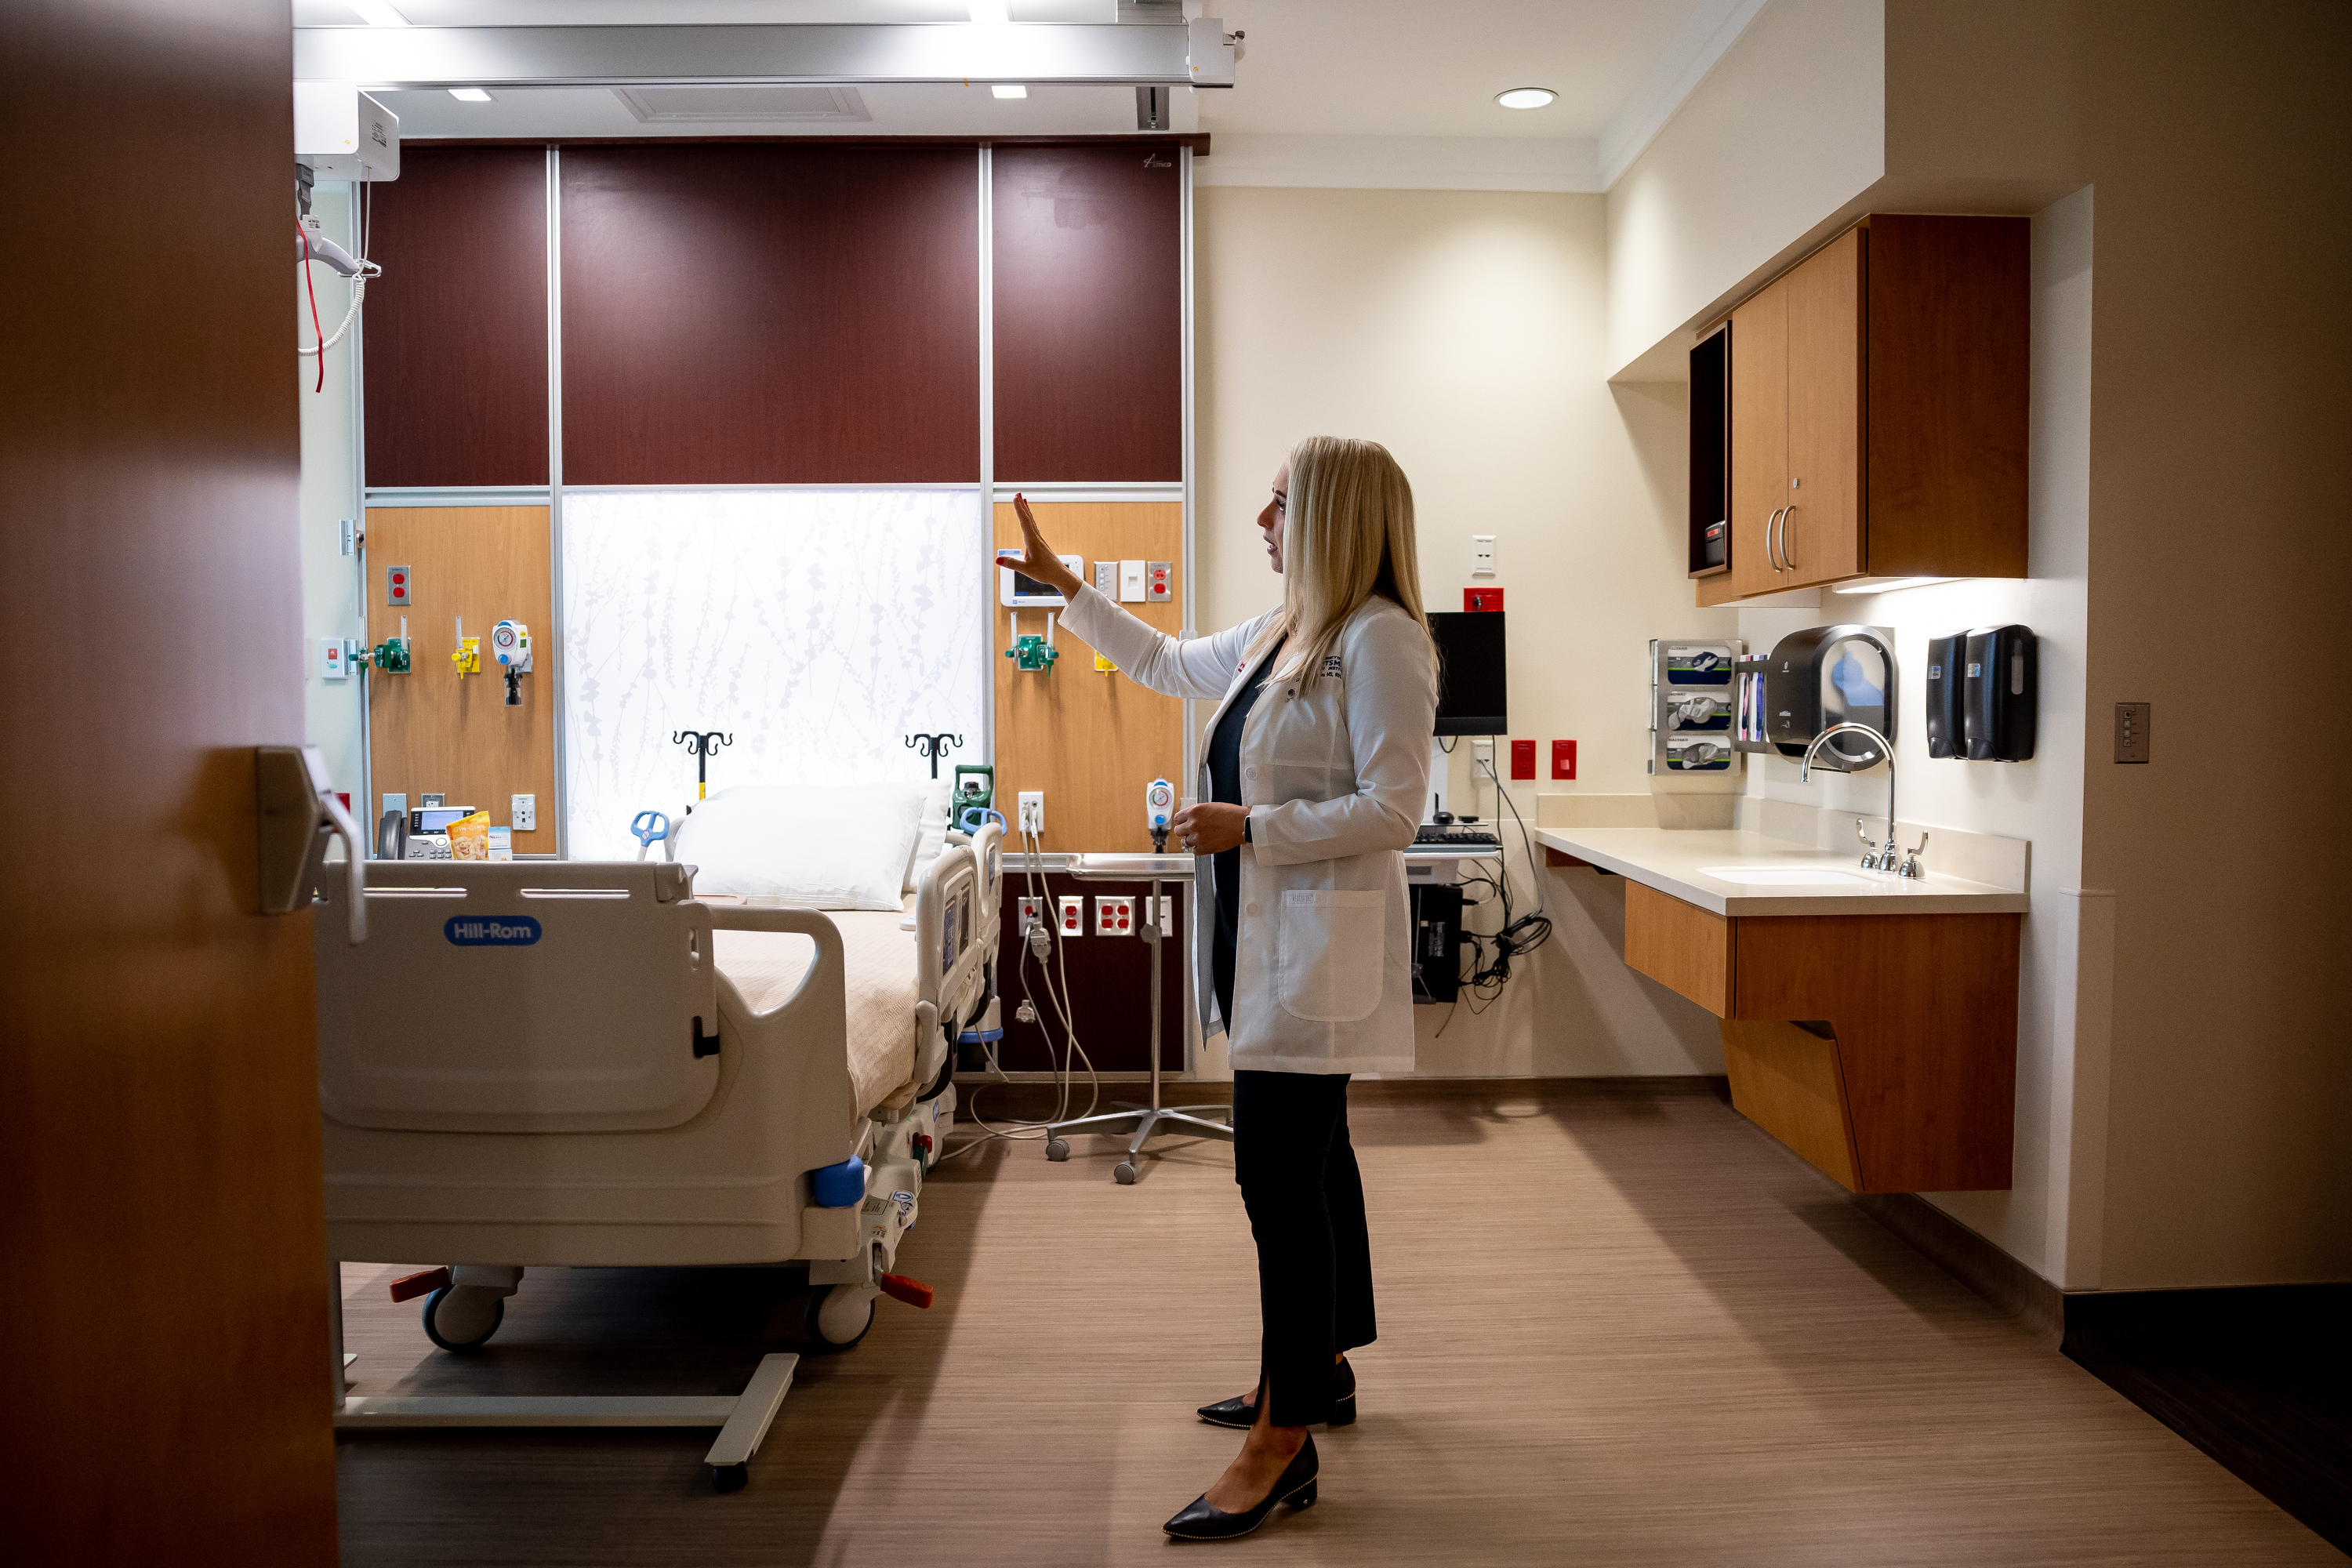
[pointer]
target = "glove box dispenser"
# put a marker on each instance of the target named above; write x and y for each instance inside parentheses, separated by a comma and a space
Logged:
(1822, 676)
(1692, 695)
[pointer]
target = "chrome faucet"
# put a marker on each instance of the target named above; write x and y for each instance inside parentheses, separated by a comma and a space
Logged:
(1878, 859)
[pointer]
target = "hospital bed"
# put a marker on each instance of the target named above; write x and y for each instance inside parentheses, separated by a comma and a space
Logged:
(582, 1063)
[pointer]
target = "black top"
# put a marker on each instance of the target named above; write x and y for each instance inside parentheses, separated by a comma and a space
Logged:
(1226, 785)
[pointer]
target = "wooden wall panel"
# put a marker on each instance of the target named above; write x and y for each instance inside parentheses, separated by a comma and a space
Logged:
(761, 314)
(434, 729)
(1088, 323)
(1090, 741)
(1110, 986)
(456, 350)
(166, 1323)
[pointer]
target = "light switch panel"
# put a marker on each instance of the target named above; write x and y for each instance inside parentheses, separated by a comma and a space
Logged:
(523, 814)
(1107, 579)
(2131, 732)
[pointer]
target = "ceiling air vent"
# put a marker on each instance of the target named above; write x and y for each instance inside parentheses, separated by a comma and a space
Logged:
(742, 105)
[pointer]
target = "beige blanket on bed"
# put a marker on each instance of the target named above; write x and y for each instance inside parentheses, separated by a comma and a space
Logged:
(766, 967)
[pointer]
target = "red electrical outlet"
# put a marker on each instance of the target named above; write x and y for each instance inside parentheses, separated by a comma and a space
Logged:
(1523, 759)
(1563, 758)
(1482, 598)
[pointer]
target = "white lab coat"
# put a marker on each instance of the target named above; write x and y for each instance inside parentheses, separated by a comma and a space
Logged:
(1335, 773)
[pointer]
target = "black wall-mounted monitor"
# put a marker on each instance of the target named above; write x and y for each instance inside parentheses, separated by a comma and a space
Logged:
(1472, 691)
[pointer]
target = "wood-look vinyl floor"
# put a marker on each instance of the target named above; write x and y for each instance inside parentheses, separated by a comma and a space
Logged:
(1619, 1325)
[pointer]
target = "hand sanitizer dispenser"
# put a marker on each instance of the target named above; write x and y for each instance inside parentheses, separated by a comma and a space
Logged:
(2000, 694)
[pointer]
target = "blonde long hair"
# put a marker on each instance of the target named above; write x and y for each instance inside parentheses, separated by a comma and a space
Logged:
(1347, 535)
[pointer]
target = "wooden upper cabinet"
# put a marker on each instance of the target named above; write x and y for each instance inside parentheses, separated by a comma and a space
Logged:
(1878, 410)
(1819, 538)
(1759, 436)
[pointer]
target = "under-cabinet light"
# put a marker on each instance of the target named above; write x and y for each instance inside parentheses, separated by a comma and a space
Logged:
(469, 95)
(990, 11)
(378, 14)
(1527, 98)
(1010, 90)
(1887, 585)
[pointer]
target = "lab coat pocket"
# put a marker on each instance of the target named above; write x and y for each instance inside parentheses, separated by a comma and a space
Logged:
(1331, 954)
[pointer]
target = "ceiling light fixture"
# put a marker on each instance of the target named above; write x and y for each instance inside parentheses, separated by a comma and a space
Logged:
(990, 11)
(1009, 90)
(469, 95)
(1527, 98)
(378, 14)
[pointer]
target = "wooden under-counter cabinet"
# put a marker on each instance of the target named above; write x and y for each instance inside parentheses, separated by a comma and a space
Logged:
(1883, 1048)
(1877, 411)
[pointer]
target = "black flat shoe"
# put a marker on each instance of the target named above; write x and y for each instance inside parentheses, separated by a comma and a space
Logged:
(1199, 1522)
(1240, 1412)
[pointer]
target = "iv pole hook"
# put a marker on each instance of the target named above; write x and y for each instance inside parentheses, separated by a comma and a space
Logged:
(701, 743)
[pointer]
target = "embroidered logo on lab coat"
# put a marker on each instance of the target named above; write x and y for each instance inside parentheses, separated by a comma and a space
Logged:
(1331, 664)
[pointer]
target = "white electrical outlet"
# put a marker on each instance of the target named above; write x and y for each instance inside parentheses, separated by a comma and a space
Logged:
(1482, 555)
(1114, 916)
(1033, 811)
(1073, 915)
(523, 813)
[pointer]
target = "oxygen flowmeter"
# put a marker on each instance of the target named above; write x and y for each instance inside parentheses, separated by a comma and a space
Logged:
(510, 646)
(1030, 652)
(1159, 811)
(389, 656)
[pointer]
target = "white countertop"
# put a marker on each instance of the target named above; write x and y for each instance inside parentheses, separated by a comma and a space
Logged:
(1678, 861)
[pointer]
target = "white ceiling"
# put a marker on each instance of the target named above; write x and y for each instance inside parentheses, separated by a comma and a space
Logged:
(1405, 89)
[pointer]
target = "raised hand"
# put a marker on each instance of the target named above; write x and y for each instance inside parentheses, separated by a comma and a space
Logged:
(1038, 560)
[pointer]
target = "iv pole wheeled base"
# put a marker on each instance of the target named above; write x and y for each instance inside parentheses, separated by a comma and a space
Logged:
(1141, 1121)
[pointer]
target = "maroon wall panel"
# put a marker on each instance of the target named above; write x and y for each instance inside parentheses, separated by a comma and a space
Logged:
(765, 314)
(1110, 987)
(456, 329)
(1088, 319)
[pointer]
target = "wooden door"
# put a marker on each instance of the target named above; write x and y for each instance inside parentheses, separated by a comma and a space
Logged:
(166, 1320)
(1090, 740)
(1759, 436)
(1821, 535)
(433, 729)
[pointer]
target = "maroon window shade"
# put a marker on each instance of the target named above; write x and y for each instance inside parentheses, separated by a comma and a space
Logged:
(766, 314)
(1089, 320)
(456, 349)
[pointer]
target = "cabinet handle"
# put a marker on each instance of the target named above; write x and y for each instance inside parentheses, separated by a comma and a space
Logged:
(1786, 513)
(1770, 559)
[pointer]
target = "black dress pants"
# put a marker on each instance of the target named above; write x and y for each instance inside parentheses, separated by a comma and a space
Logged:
(1305, 1201)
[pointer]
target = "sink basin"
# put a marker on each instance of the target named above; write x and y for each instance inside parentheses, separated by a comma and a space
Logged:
(1784, 876)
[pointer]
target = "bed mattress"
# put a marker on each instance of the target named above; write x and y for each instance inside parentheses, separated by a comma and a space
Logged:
(878, 959)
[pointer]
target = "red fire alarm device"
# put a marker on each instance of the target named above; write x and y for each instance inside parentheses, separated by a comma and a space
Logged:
(1474, 599)
(1523, 759)
(1563, 758)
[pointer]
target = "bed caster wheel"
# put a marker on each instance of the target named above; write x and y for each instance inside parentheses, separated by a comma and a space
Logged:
(461, 1319)
(729, 1477)
(838, 1317)
(1057, 1149)
(1124, 1172)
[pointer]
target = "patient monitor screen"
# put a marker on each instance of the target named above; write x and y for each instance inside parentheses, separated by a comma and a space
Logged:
(1472, 699)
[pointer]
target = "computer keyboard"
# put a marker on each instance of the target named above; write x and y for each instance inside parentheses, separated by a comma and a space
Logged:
(1439, 835)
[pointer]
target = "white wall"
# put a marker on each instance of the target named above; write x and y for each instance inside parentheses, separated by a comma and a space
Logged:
(1787, 128)
(330, 604)
(1464, 331)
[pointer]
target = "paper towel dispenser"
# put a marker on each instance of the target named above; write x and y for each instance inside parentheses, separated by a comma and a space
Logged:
(1822, 676)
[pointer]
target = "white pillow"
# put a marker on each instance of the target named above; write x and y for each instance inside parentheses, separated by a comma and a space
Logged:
(812, 846)
(931, 833)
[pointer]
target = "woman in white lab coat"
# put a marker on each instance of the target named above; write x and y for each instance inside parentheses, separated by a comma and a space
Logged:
(1315, 769)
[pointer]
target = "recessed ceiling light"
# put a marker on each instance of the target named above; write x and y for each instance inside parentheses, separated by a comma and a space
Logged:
(378, 14)
(469, 95)
(989, 11)
(1009, 90)
(1526, 98)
